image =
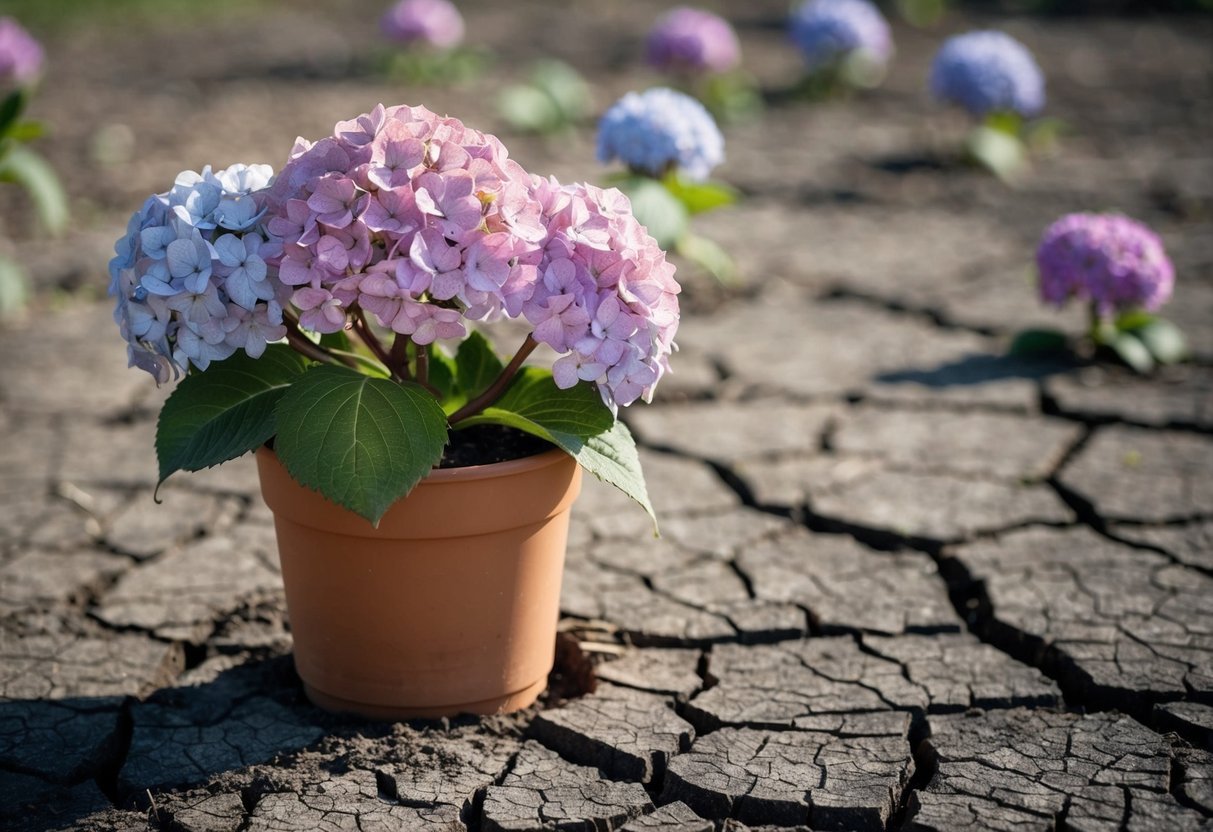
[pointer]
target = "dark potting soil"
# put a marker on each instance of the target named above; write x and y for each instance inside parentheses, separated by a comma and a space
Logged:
(485, 444)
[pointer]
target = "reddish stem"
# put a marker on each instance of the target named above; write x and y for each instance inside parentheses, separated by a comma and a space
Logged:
(494, 391)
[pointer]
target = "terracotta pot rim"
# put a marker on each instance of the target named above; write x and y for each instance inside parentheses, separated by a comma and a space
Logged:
(491, 470)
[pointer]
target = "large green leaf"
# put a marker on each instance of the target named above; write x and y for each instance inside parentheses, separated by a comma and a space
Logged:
(26, 168)
(664, 217)
(575, 420)
(612, 457)
(361, 442)
(226, 411)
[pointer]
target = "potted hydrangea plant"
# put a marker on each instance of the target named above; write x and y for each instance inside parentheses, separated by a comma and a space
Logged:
(421, 494)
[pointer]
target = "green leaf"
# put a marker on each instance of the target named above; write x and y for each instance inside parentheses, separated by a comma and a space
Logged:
(442, 376)
(226, 411)
(361, 442)
(339, 340)
(1038, 341)
(10, 110)
(476, 365)
(1002, 154)
(1129, 348)
(1134, 320)
(535, 404)
(14, 289)
(577, 421)
(698, 197)
(28, 169)
(611, 456)
(708, 254)
(529, 109)
(27, 131)
(565, 86)
(657, 210)
(1007, 122)
(1164, 340)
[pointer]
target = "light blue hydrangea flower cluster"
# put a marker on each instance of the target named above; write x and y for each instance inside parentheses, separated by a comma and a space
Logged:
(659, 130)
(189, 278)
(988, 71)
(829, 31)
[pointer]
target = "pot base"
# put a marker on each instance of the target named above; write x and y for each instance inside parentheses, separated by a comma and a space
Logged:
(497, 705)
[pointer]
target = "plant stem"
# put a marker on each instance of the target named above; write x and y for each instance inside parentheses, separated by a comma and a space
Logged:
(493, 392)
(368, 337)
(400, 357)
(301, 343)
(423, 365)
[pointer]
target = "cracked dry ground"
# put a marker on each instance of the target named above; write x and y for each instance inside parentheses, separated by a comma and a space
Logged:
(904, 582)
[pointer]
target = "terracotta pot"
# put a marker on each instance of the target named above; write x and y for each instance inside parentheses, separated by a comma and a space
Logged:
(449, 606)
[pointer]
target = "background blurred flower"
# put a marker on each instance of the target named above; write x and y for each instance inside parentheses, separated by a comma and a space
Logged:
(988, 71)
(693, 40)
(1115, 262)
(434, 23)
(661, 130)
(20, 55)
(827, 32)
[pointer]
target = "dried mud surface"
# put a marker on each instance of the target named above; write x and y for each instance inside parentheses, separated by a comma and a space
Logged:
(904, 581)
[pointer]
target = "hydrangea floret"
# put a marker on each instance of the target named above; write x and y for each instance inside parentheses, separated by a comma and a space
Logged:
(435, 24)
(1119, 268)
(311, 309)
(692, 41)
(842, 42)
(670, 144)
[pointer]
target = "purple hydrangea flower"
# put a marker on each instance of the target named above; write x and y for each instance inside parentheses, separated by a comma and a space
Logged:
(1115, 262)
(988, 71)
(20, 55)
(661, 129)
(434, 23)
(693, 40)
(829, 31)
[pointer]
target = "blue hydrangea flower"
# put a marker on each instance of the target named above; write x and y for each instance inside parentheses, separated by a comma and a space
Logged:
(988, 71)
(828, 31)
(661, 129)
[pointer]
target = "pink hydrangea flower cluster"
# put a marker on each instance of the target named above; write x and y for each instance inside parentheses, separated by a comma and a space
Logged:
(1113, 261)
(606, 296)
(190, 277)
(412, 217)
